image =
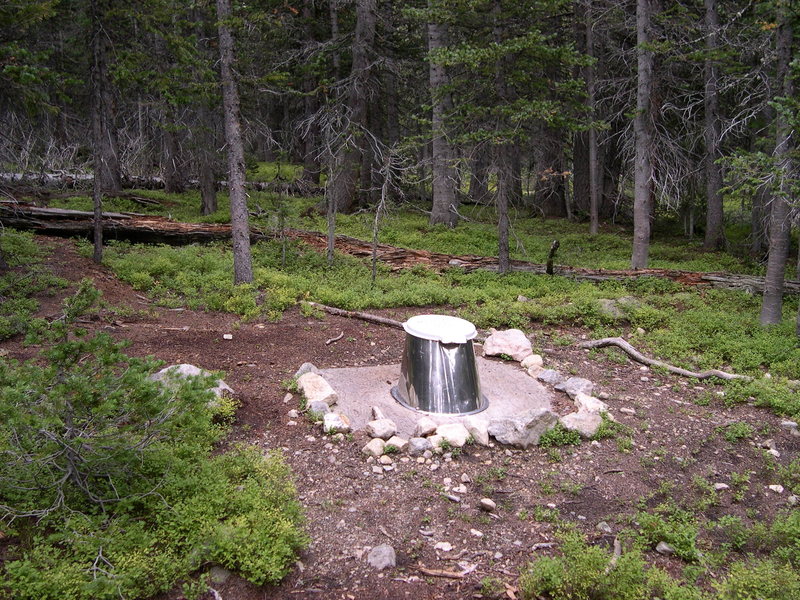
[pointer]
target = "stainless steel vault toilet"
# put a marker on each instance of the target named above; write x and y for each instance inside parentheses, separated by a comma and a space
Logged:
(439, 373)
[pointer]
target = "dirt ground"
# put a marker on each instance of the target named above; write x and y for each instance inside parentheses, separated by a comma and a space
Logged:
(350, 509)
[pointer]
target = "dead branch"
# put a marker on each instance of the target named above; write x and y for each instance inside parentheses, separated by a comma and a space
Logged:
(641, 358)
(334, 339)
(352, 314)
(612, 564)
(440, 573)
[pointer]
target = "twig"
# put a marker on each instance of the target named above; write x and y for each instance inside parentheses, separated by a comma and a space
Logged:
(641, 358)
(334, 339)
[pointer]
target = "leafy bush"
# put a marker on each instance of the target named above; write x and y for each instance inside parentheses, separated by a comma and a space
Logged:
(584, 572)
(559, 436)
(24, 278)
(108, 485)
(760, 580)
(672, 525)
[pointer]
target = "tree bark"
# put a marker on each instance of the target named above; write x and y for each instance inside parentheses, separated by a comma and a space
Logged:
(505, 186)
(445, 207)
(347, 158)
(174, 177)
(240, 230)
(643, 131)
(479, 175)
(104, 133)
(780, 211)
(594, 165)
(715, 234)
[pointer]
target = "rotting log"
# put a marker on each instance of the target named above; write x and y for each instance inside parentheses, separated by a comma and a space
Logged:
(154, 229)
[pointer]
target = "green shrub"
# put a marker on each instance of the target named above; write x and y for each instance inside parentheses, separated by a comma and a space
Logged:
(22, 281)
(672, 525)
(584, 572)
(559, 436)
(760, 580)
(109, 485)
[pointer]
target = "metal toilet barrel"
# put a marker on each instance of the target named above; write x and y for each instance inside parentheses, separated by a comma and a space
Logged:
(438, 372)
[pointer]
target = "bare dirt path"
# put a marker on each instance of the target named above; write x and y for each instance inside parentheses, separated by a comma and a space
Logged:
(671, 443)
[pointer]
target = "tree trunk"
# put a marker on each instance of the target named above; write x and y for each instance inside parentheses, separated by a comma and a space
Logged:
(505, 186)
(104, 133)
(206, 160)
(444, 191)
(174, 177)
(715, 234)
(240, 230)
(643, 131)
(347, 158)
(549, 190)
(780, 223)
(479, 176)
(594, 165)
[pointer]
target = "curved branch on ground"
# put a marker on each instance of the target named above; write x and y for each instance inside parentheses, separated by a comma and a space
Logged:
(650, 362)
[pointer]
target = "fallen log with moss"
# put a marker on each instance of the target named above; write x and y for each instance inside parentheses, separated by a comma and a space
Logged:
(150, 229)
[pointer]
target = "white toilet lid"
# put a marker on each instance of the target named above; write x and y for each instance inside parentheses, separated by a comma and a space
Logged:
(440, 328)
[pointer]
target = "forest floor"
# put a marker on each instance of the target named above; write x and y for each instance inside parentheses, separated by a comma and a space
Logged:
(675, 448)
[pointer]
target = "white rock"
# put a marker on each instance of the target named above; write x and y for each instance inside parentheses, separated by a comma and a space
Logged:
(488, 505)
(534, 371)
(511, 342)
(335, 423)
(385, 459)
(227, 336)
(532, 360)
(574, 386)
(721, 486)
(316, 389)
(523, 430)
(319, 407)
(306, 367)
(665, 549)
(454, 433)
(584, 402)
(425, 427)
(479, 429)
(382, 557)
(398, 442)
(550, 377)
(443, 546)
(377, 413)
(476, 533)
(171, 378)
(628, 411)
(778, 489)
(374, 447)
(293, 414)
(604, 527)
(417, 446)
(584, 422)
(381, 428)
(465, 478)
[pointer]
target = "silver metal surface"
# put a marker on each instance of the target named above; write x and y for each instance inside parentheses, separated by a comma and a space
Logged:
(439, 378)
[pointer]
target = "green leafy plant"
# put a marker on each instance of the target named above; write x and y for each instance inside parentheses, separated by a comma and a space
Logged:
(109, 482)
(559, 436)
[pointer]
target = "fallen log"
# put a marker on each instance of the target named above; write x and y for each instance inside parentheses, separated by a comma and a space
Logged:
(354, 314)
(651, 362)
(154, 229)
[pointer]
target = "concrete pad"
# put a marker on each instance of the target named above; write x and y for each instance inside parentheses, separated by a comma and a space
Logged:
(509, 388)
